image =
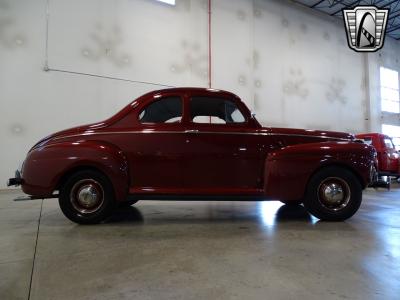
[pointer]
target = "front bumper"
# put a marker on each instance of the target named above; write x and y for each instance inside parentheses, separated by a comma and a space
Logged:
(16, 181)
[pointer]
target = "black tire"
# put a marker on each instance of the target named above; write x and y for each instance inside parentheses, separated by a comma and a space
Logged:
(333, 194)
(87, 197)
(293, 203)
(127, 203)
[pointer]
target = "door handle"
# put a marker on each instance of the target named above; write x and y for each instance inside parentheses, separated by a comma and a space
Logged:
(192, 131)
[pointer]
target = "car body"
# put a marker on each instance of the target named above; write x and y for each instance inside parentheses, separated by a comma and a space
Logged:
(388, 156)
(193, 143)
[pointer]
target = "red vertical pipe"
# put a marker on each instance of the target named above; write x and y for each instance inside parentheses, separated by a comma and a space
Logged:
(209, 46)
(209, 43)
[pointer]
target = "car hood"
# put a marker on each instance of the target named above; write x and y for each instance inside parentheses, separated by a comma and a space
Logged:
(310, 133)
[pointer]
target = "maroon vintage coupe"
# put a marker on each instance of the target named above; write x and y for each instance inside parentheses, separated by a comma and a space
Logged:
(195, 143)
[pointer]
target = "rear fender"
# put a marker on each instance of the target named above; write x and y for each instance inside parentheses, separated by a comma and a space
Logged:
(45, 166)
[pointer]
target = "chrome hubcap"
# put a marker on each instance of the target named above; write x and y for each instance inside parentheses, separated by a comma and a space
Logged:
(87, 196)
(334, 193)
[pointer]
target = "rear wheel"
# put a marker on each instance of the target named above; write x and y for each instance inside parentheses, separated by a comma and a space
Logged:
(87, 197)
(293, 203)
(333, 194)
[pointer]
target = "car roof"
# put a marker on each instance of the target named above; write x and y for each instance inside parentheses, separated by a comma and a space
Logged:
(374, 134)
(371, 134)
(201, 90)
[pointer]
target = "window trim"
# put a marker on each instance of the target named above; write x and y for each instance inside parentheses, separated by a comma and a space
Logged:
(387, 87)
(385, 133)
(391, 143)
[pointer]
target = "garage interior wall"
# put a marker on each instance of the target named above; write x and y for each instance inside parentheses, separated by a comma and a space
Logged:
(291, 65)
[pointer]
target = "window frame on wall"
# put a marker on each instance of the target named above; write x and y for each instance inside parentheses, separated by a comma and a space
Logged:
(393, 131)
(389, 90)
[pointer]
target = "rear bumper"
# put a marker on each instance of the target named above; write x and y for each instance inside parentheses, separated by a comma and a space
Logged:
(16, 181)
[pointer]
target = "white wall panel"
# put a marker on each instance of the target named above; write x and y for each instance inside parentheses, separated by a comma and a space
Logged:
(138, 40)
(232, 47)
(292, 67)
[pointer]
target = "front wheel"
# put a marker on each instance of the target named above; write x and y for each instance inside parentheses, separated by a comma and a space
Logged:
(333, 194)
(87, 197)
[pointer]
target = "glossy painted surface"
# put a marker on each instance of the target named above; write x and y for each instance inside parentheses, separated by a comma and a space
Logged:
(388, 157)
(188, 158)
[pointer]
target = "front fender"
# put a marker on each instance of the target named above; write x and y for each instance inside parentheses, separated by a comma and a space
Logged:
(45, 166)
(288, 170)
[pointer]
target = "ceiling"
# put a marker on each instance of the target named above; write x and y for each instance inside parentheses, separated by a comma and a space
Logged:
(334, 8)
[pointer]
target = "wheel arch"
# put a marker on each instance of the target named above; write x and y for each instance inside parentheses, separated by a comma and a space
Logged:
(339, 165)
(115, 170)
(69, 172)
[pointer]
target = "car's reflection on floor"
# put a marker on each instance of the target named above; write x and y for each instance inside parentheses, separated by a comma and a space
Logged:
(267, 213)
(293, 212)
(271, 212)
(129, 214)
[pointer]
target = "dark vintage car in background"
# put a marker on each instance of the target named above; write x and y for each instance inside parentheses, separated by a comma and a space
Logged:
(194, 143)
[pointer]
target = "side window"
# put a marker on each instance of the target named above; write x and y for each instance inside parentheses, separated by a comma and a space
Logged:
(388, 143)
(165, 110)
(214, 111)
(367, 140)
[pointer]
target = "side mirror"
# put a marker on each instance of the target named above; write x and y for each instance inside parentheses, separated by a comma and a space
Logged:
(253, 115)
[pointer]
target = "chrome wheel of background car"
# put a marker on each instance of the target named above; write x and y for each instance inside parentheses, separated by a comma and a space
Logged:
(87, 196)
(334, 193)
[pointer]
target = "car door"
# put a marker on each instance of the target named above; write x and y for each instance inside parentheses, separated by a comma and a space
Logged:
(156, 151)
(391, 155)
(223, 151)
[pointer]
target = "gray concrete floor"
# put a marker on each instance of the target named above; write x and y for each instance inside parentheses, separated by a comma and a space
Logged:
(200, 250)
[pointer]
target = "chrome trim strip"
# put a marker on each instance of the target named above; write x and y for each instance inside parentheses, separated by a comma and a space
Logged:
(313, 136)
(202, 132)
